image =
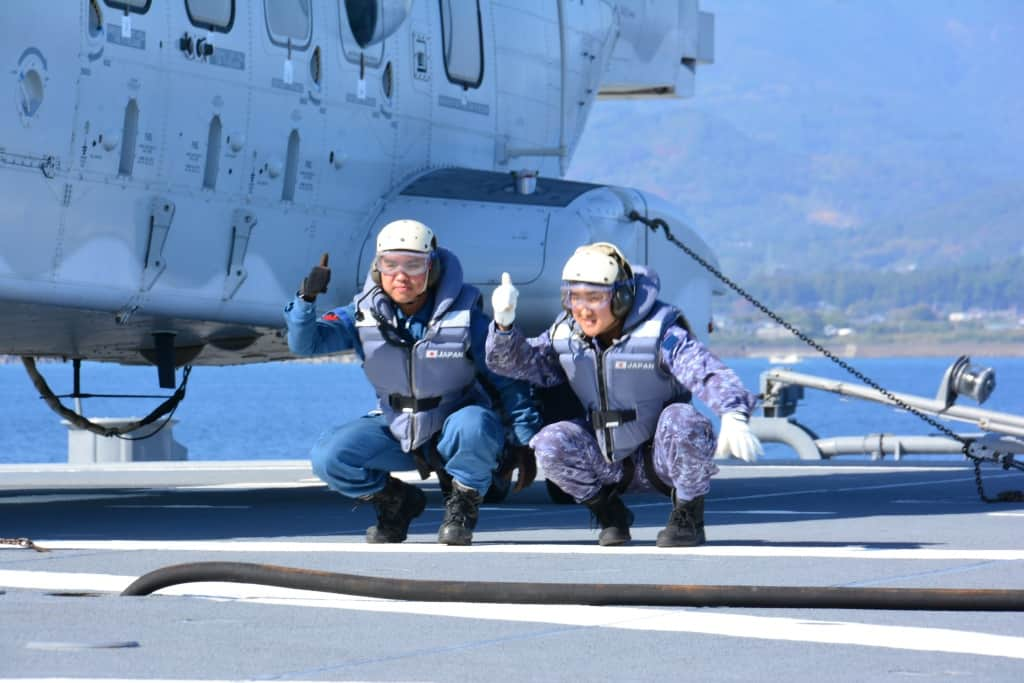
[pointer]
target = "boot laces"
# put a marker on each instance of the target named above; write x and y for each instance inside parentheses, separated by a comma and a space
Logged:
(681, 517)
(389, 507)
(459, 507)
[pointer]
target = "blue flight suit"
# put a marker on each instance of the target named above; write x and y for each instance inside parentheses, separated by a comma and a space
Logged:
(355, 458)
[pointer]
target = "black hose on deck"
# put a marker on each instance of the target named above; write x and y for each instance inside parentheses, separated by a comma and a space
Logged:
(665, 595)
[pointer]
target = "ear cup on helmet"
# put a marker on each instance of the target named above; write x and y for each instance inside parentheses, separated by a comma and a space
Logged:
(434, 274)
(625, 289)
(622, 300)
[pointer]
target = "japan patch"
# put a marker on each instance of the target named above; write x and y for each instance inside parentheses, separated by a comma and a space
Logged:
(634, 365)
(434, 353)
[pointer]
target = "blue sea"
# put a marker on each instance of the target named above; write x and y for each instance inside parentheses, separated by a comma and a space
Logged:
(277, 410)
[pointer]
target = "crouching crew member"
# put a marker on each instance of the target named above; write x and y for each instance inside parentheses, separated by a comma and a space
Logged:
(420, 332)
(633, 362)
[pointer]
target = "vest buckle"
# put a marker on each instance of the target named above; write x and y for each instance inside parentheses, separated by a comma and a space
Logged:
(606, 419)
(411, 404)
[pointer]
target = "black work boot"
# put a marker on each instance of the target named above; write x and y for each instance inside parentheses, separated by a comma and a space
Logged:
(460, 514)
(685, 524)
(397, 504)
(613, 516)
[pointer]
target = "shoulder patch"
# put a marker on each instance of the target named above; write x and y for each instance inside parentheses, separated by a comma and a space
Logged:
(330, 316)
(669, 344)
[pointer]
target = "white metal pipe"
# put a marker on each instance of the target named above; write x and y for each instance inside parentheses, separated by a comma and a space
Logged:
(877, 445)
(990, 419)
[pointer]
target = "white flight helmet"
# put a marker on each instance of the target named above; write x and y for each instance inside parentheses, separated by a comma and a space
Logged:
(406, 235)
(600, 263)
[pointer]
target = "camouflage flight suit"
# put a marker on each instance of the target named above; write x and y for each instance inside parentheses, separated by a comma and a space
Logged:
(683, 443)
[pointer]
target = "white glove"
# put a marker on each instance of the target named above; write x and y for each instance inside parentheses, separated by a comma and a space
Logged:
(503, 301)
(736, 438)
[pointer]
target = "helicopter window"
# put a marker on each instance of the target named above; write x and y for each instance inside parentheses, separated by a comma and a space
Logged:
(137, 6)
(129, 135)
(462, 38)
(214, 15)
(373, 54)
(212, 154)
(291, 168)
(95, 18)
(289, 22)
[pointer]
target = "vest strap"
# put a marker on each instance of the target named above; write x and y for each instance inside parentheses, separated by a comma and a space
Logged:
(411, 404)
(603, 419)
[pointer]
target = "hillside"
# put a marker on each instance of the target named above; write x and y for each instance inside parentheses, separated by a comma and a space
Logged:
(869, 139)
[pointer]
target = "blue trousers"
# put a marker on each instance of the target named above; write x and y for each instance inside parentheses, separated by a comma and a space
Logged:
(356, 458)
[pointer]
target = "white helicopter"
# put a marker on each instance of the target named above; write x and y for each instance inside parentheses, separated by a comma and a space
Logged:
(172, 168)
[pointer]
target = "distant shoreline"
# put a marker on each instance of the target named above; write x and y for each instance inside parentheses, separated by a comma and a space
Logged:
(933, 349)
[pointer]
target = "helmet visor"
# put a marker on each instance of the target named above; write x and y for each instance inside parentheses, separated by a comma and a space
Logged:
(412, 263)
(578, 295)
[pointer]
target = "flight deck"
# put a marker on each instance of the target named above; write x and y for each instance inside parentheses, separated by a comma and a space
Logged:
(100, 527)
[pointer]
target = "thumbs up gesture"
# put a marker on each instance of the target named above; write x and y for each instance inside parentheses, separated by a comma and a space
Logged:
(316, 282)
(503, 301)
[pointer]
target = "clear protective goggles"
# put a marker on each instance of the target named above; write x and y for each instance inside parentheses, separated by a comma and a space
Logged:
(412, 263)
(577, 295)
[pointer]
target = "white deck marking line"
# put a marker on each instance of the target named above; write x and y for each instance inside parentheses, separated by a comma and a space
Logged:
(845, 489)
(772, 512)
(244, 485)
(826, 552)
(676, 620)
(141, 506)
(1011, 513)
(68, 497)
(94, 679)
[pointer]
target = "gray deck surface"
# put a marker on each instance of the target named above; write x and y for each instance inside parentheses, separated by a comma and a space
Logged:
(810, 525)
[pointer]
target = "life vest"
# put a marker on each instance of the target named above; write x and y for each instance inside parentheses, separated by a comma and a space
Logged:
(622, 388)
(419, 383)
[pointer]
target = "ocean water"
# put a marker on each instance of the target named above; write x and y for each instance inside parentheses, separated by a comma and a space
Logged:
(277, 410)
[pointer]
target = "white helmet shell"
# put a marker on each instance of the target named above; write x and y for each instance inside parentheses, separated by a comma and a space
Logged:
(406, 235)
(591, 265)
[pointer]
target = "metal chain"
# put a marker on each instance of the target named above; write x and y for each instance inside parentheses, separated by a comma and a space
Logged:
(169, 405)
(24, 543)
(659, 223)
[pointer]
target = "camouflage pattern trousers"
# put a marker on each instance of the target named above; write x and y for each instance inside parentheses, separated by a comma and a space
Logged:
(684, 448)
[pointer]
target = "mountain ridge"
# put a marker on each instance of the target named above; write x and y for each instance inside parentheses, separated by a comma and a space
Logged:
(861, 137)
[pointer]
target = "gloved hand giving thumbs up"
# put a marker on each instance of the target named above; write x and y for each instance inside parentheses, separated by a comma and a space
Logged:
(503, 301)
(316, 282)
